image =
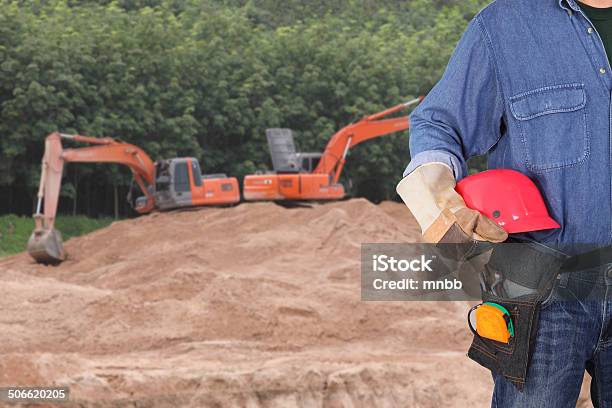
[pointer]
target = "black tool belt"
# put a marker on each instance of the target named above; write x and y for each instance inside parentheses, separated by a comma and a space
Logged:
(519, 277)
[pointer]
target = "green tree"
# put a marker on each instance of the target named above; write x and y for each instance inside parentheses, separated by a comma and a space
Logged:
(206, 78)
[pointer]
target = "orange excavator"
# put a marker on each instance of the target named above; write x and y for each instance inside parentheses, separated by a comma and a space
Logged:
(165, 185)
(314, 176)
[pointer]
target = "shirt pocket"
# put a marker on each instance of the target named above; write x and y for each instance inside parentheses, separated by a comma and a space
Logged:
(553, 126)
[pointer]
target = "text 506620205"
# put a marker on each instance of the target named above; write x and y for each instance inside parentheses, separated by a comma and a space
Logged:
(34, 394)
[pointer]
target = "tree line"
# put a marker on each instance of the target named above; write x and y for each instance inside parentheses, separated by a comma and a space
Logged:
(206, 78)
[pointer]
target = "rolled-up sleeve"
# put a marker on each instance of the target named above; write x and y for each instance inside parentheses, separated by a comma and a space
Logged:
(461, 116)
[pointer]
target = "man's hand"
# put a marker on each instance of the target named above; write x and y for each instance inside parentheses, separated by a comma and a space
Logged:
(429, 192)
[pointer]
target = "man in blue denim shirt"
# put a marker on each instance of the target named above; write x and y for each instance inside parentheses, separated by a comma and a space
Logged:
(530, 85)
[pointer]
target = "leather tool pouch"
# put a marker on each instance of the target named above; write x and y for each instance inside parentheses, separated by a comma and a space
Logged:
(520, 277)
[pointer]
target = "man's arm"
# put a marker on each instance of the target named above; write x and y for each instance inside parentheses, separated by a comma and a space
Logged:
(462, 115)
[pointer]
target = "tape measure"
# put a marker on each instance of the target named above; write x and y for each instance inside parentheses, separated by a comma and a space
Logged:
(493, 322)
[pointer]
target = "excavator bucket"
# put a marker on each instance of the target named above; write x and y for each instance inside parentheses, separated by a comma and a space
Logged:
(45, 246)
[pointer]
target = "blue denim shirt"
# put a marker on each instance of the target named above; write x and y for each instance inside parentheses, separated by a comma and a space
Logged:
(530, 85)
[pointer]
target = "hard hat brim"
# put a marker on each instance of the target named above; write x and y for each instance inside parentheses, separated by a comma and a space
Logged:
(532, 224)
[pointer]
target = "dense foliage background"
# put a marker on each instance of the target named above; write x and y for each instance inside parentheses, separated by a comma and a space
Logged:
(205, 78)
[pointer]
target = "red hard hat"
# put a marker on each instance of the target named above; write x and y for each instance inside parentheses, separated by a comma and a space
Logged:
(509, 198)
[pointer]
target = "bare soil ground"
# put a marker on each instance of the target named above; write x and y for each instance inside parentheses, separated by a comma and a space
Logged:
(251, 306)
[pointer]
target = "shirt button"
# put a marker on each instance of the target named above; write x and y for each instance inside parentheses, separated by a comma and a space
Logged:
(602, 70)
(590, 30)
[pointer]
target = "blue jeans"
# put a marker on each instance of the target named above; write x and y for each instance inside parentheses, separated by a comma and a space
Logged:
(575, 333)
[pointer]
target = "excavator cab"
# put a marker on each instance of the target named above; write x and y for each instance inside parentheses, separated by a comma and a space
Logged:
(282, 151)
(180, 183)
(175, 182)
(308, 161)
(285, 158)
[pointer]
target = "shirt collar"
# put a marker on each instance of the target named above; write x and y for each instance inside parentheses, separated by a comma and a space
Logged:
(571, 3)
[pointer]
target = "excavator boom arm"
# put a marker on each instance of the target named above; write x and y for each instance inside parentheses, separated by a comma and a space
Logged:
(45, 243)
(369, 127)
(105, 150)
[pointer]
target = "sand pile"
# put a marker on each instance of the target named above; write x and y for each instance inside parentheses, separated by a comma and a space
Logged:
(251, 306)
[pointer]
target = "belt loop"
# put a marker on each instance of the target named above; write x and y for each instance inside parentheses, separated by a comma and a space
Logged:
(563, 279)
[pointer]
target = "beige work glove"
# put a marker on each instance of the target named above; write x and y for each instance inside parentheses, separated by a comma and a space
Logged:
(429, 192)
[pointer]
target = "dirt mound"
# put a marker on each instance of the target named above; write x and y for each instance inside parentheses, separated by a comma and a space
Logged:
(255, 305)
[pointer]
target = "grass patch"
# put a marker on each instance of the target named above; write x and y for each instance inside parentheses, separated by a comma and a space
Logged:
(15, 230)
